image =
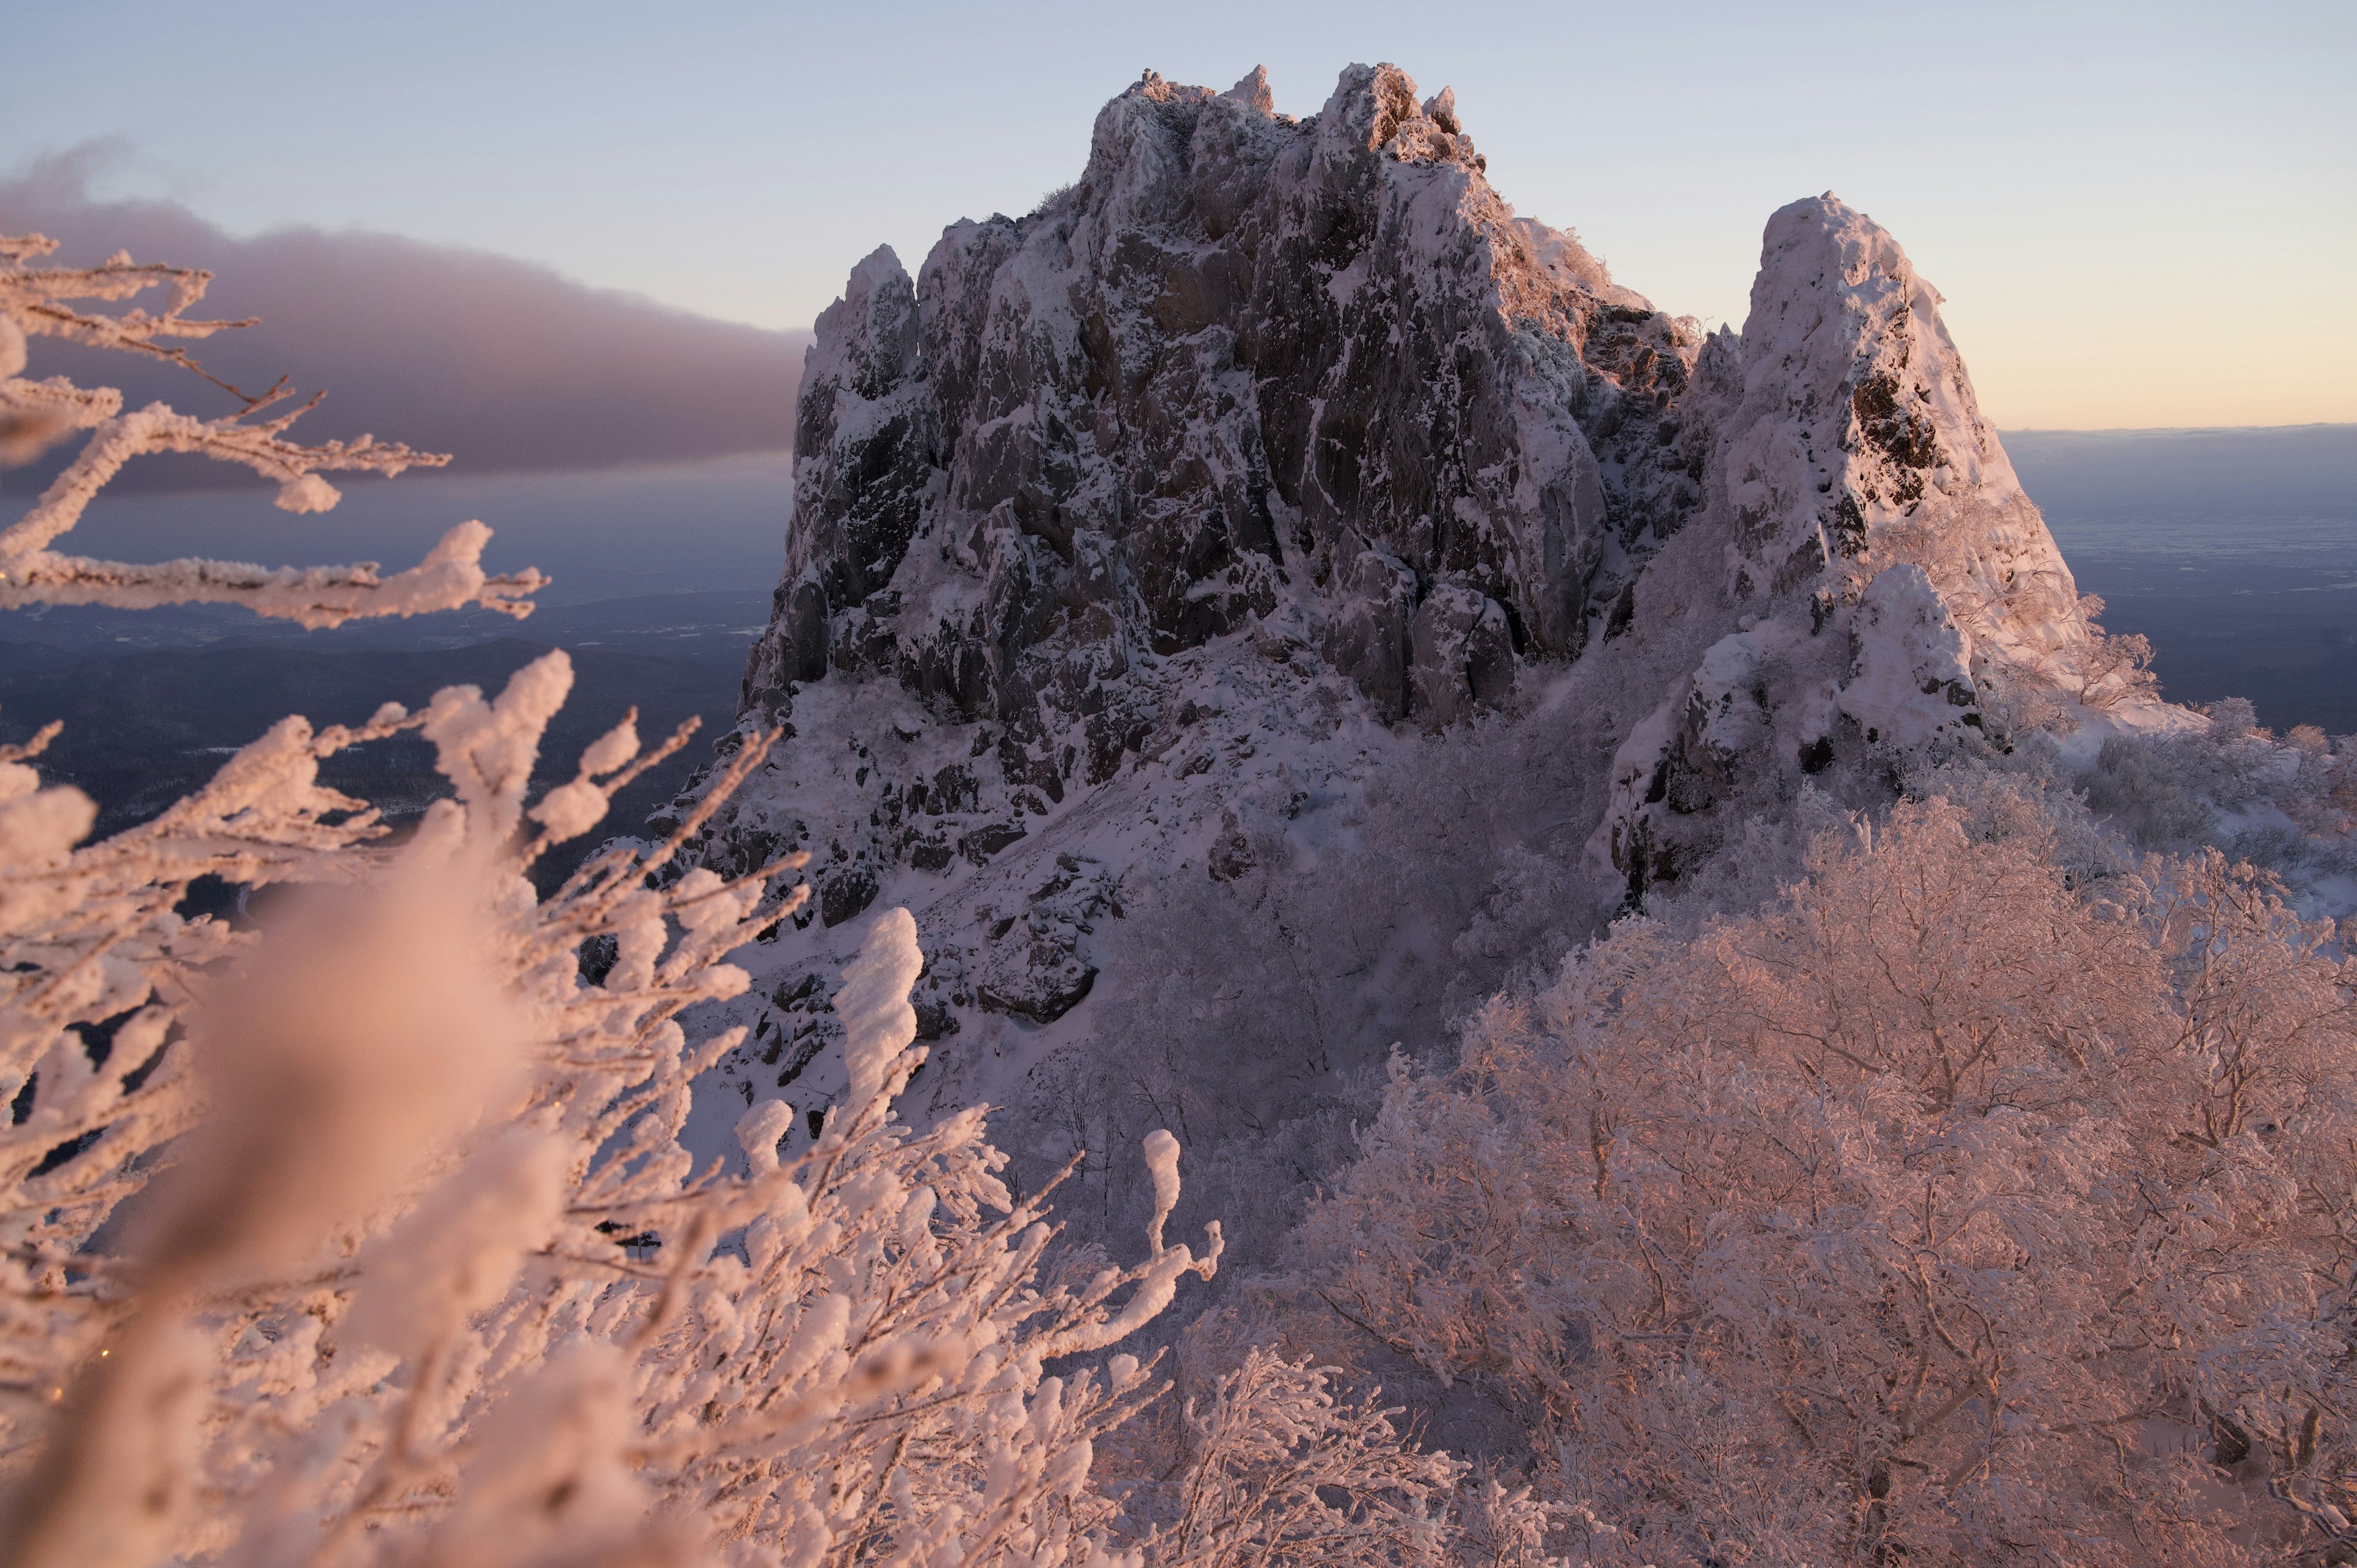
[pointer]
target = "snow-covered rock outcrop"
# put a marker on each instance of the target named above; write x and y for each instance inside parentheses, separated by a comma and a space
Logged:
(1858, 441)
(1133, 525)
(1869, 526)
(1910, 671)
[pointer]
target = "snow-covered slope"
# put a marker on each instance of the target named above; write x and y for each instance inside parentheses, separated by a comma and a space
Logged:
(1134, 525)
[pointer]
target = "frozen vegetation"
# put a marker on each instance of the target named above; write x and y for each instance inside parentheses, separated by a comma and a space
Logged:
(1713, 1015)
(363, 1231)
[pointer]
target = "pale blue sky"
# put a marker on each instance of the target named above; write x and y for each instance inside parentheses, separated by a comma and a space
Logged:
(2140, 214)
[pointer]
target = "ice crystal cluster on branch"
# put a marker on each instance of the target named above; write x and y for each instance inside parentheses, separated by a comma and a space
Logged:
(63, 303)
(421, 1268)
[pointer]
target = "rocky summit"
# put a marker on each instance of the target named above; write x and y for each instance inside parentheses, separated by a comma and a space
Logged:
(1134, 525)
(1246, 361)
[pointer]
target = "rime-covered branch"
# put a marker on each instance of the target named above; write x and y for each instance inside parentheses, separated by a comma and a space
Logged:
(37, 302)
(419, 1162)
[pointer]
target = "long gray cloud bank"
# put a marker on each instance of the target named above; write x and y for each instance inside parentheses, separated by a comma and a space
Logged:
(509, 365)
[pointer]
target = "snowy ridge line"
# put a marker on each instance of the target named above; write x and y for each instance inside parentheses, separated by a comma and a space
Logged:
(1147, 531)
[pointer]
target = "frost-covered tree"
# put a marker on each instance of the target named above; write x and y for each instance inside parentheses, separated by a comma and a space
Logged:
(69, 304)
(2108, 669)
(1277, 1468)
(420, 1266)
(1942, 1211)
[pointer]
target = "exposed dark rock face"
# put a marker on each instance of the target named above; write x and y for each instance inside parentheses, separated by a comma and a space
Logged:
(1246, 360)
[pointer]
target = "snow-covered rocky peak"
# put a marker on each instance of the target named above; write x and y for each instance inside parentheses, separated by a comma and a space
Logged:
(1857, 443)
(1896, 587)
(1246, 361)
(1136, 530)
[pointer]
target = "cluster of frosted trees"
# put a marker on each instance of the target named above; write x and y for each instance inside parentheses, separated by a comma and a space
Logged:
(1942, 1211)
(363, 1234)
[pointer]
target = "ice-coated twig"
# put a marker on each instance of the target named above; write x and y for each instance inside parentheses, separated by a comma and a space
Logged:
(415, 1151)
(38, 302)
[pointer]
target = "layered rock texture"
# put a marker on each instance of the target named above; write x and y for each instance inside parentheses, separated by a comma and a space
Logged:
(1273, 443)
(1245, 356)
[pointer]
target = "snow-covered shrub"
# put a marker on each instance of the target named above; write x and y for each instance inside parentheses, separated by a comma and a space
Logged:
(1938, 1212)
(365, 1234)
(1277, 1468)
(2287, 804)
(426, 1270)
(2107, 669)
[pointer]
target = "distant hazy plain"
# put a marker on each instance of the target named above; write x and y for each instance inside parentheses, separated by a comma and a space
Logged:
(2235, 551)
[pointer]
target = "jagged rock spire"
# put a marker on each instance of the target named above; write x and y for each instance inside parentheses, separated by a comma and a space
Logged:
(1247, 361)
(1892, 574)
(1253, 92)
(1858, 443)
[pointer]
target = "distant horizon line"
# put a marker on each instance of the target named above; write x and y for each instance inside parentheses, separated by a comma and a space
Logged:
(771, 453)
(214, 481)
(2173, 429)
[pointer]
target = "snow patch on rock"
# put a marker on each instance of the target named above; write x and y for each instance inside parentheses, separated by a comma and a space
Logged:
(1910, 669)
